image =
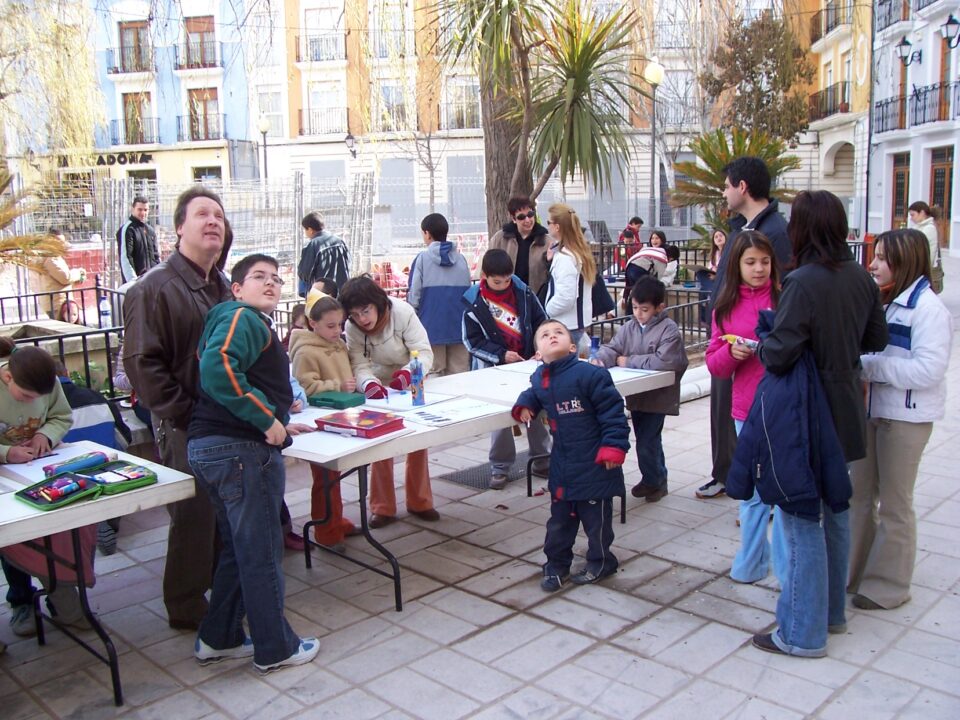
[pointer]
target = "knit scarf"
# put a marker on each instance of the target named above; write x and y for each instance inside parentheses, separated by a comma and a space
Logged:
(503, 309)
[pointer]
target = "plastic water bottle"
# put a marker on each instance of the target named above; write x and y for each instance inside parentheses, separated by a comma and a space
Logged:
(106, 316)
(594, 347)
(416, 378)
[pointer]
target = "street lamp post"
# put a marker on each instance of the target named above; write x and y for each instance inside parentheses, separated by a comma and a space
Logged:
(263, 125)
(653, 74)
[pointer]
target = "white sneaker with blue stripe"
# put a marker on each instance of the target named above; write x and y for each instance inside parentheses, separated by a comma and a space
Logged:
(309, 647)
(207, 655)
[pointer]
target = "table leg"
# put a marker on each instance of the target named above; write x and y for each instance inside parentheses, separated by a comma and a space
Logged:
(365, 530)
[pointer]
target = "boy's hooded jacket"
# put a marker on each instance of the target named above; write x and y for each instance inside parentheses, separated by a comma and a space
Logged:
(244, 375)
(588, 425)
(438, 278)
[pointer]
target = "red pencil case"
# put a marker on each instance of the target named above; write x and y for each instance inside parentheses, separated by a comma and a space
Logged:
(360, 422)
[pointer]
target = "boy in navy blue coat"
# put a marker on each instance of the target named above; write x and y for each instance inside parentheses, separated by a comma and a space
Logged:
(590, 443)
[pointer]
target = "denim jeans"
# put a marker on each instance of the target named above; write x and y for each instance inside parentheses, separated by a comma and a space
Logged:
(815, 576)
(245, 482)
(648, 427)
(752, 561)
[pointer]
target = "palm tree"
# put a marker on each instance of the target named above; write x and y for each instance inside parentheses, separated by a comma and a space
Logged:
(553, 89)
(715, 150)
(26, 249)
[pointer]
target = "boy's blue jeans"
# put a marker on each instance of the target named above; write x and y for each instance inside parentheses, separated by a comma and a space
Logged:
(648, 428)
(815, 577)
(245, 481)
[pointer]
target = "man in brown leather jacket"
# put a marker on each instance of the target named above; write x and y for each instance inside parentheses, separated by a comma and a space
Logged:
(163, 316)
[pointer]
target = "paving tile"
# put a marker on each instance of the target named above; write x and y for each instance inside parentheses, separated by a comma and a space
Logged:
(638, 571)
(673, 584)
(867, 636)
(499, 531)
(470, 607)
(921, 670)
(443, 569)
(415, 542)
(659, 632)
(649, 536)
(410, 690)
(700, 550)
(184, 705)
(546, 653)
(711, 607)
(478, 558)
(20, 706)
(936, 571)
(871, 695)
(480, 681)
(382, 598)
(597, 692)
(941, 619)
(503, 576)
(529, 703)
(355, 704)
(142, 681)
(823, 671)
(522, 543)
(307, 684)
(379, 659)
(87, 697)
(607, 599)
(638, 672)
(772, 685)
(241, 693)
(750, 594)
(500, 639)
(757, 709)
(693, 700)
(931, 705)
(321, 607)
(432, 623)
(934, 647)
(702, 648)
(588, 620)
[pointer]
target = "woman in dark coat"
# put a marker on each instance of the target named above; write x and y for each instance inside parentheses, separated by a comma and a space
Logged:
(830, 306)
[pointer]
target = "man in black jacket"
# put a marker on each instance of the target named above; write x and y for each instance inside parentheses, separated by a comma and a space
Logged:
(747, 192)
(137, 242)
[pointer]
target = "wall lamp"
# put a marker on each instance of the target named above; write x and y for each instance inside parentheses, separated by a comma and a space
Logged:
(904, 48)
(950, 31)
(351, 142)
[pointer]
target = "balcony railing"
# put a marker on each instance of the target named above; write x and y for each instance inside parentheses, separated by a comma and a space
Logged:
(392, 44)
(956, 100)
(921, 4)
(323, 121)
(888, 12)
(321, 47)
(139, 131)
(130, 59)
(932, 103)
(393, 119)
(830, 101)
(196, 54)
(833, 15)
(460, 115)
(192, 128)
(890, 114)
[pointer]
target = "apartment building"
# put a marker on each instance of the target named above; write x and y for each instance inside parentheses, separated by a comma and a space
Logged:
(915, 113)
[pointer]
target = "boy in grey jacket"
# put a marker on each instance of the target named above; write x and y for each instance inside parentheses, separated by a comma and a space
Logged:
(649, 341)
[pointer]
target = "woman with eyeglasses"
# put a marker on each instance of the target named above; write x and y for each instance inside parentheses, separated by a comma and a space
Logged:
(382, 331)
(525, 240)
(572, 271)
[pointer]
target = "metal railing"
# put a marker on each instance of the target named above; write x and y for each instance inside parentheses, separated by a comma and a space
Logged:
(321, 47)
(832, 16)
(890, 114)
(932, 103)
(130, 59)
(323, 121)
(97, 348)
(394, 118)
(888, 12)
(923, 4)
(141, 131)
(199, 54)
(829, 101)
(686, 307)
(392, 44)
(201, 127)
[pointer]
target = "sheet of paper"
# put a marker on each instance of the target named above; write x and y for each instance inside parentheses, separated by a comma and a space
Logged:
(526, 367)
(25, 474)
(453, 411)
(399, 402)
(619, 373)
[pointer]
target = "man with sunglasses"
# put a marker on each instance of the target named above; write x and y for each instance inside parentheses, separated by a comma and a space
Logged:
(525, 240)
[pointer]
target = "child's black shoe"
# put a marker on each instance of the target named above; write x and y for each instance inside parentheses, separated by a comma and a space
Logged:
(552, 583)
(588, 576)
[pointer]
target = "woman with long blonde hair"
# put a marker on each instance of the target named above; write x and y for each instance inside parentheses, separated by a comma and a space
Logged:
(572, 271)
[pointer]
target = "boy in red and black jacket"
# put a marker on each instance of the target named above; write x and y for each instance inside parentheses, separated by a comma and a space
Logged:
(590, 442)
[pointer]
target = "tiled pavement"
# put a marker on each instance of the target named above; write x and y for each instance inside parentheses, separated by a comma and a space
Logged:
(668, 637)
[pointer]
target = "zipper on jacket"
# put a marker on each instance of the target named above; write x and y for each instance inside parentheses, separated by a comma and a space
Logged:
(773, 466)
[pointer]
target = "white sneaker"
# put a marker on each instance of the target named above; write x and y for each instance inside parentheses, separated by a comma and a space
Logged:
(22, 621)
(207, 655)
(309, 647)
(498, 481)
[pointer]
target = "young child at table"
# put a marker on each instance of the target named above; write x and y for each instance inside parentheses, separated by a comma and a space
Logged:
(502, 314)
(750, 284)
(34, 417)
(320, 364)
(381, 333)
(590, 442)
(649, 341)
(239, 425)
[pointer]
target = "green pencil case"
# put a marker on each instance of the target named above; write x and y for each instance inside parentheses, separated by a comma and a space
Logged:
(60, 490)
(119, 476)
(338, 400)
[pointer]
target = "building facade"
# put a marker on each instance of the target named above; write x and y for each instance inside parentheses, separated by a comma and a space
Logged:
(915, 115)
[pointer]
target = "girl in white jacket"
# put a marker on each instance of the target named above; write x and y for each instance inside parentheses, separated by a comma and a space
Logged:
(568, 299)
(907, 392)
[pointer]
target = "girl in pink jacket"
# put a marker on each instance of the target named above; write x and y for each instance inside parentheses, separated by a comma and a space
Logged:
(750, 284)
